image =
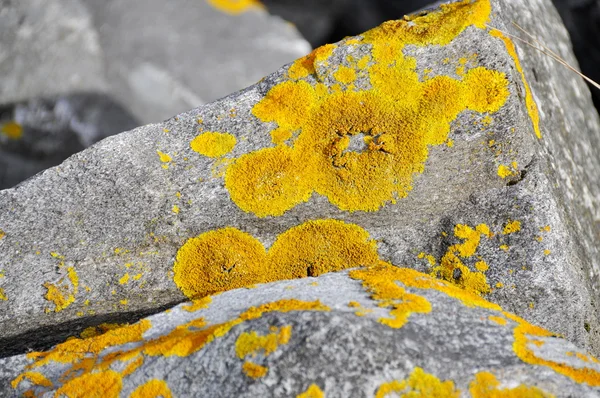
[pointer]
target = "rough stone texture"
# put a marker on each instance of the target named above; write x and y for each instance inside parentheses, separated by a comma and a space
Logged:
(47, 47)
(116, 208)
(345, 350)
(191, 53)
(52, 129)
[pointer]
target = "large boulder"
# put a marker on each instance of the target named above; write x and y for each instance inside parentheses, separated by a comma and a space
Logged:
(162, 60)
(432, 141)
(372, 332)
(47, 47)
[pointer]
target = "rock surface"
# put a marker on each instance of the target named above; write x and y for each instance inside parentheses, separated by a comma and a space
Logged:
(363, 334)
(421, 134)
(42, 132)
(47, 47)
(191, 53)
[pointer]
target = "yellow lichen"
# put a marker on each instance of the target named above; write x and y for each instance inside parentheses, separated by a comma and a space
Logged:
(273, 180)
(94, 331)
(511, 227)
(213, 144)
(152, 389)
(124, 279)
(198, 304)
(2, 234)
(498, 319)
(529, 101)
(486, 385)
(35, 378)
(105, 384)
(12, 130)
(313, 391)
(508, 171)
(3, 295)
(452, 268)
(63, 293)
(175, 209)
(228, 258)
(305, 66)
(251, 343)
(165, 158)
(419, 384)
(345, 75)
(235, 7)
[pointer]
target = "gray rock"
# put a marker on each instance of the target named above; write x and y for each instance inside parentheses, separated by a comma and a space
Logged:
(47, 47)
(279, 339)
(189, 54)
(95, 238)
(46, 131)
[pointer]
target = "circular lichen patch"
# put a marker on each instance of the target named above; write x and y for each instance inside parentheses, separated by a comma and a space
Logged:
(219, 260)
(267, 182)
(213, 144)
(317, 247)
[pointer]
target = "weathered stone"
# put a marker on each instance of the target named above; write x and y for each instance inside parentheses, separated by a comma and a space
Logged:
(190, 53)
(47, 47)
(436, 120)
(355, 335)
(42, 132)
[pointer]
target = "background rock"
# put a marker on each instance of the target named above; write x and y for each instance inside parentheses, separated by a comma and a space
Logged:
(322, 332)
(52, 129)
(47, 47)
(126, 205)
(191, 53)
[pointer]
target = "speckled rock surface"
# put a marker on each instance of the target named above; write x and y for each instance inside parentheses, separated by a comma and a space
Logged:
(47, 47)
(42, 132)
(324, 334)
(431, 150)
(184, 59)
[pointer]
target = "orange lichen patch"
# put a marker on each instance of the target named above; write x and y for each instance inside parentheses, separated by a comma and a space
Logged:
(317, 247)
(63, 293)
(35, 378)
(511, 227)
(526, 334)
(380, 281)
(213, 144)
(453, 269)
(2, 234)
(345, 75)
(254, 370)
(305, 66)
(12, 130)
(419, 384)
(252, 343)
(429, 258)
(219, 260)
(198, 304)
(227, 258)
(133, 365)
(154, 388)
(313, 391)
(235, 7)
(498, 319)
(105, 384)
(268, 181)
(75, 350)
(324, 120)
(486, 385)
(3, 295)
(94, 331)
(529, 101)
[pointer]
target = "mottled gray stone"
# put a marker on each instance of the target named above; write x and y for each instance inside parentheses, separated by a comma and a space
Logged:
(52, 129)
(110, 208)
(342, 353)
(47, 47)
(163, 59)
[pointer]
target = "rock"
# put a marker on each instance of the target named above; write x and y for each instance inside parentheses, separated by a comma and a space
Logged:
(191, 53)
(425, 144)
(367, 333)
(47, 47)
(42, 132)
